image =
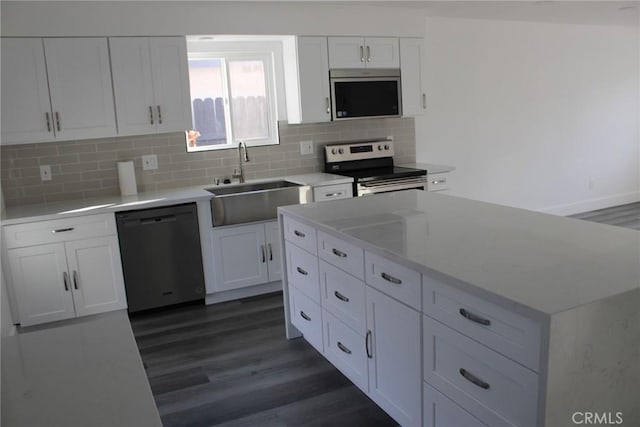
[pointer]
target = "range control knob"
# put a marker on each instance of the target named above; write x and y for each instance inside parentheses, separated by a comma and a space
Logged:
(380, 147)
(341, 151)
(386, 147)
(334, 151)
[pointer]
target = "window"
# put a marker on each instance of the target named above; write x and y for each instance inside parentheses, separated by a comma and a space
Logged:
(232, 99)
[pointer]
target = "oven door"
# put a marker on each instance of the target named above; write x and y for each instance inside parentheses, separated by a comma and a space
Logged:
(389, 185)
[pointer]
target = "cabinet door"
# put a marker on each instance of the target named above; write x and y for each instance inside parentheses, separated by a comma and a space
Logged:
(80, 87)
(347, 52)
(313, 71)
(382, 52)
(274, 257)
(239, 257)
(96, 275)
(132, 86)
(26, 111)
(170, 78)
(394, 357)
(41, 283)
(439, 411)
(414, 100)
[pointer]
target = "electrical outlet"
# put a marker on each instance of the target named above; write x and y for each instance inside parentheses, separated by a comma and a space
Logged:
(45, 172)
(149, 162)
(306, 147)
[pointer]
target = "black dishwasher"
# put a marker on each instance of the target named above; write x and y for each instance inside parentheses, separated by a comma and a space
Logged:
(161, 257)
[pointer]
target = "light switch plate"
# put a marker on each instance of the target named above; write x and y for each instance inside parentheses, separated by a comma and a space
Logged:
(149, 162)
(45, 172)
(306, 147)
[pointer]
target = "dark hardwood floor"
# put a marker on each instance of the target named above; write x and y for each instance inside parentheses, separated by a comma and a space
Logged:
(230, 364)
(623, 216)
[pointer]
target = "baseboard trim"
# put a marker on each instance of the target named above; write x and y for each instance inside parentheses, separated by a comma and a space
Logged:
(251, 291)
(592, 204)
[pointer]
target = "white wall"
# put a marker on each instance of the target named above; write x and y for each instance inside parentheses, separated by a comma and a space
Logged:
(535, 115)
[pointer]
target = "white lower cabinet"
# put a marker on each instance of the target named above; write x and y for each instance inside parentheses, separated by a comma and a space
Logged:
(63, 280)
(439, 411)
(346, 350)
(246, 255)
(306, 315)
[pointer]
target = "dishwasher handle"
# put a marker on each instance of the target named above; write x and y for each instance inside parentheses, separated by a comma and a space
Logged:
(158, 219)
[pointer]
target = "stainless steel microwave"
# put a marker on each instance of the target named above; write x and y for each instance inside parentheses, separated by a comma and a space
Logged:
(365, 93)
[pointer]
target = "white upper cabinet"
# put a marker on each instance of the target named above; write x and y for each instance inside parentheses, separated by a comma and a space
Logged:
(26, 110)
(414, 95)
(363, 52)
(151, 84)
(306, 65)
(56, 89)
(80, 87)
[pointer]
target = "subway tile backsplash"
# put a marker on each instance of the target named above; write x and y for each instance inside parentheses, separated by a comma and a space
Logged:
(87, 169)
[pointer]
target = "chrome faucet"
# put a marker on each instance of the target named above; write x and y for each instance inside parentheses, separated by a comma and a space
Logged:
(241, 159)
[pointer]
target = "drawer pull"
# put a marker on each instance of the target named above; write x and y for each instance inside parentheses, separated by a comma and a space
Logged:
(366, 344)
(439, 181)
(299, 233)
(62, 230)
(473, 379)
(391, 279)
(301, 271)
(343, 348)
(65, 279)
(341, 297)
(474, 318)
(338, 253)
(332, 194)
(304, 316)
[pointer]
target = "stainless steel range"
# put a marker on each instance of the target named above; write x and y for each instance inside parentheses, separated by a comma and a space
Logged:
(370, 164)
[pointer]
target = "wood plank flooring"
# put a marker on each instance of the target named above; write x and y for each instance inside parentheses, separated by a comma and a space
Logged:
(230, 365)
(622, 216)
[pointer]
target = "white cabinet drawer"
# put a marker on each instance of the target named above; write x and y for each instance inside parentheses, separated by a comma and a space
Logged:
(59, 230)
(493, 388)
(506, 332)
(394, 280)
(439, 411)
(343, 296)
(343, 255)
(306, 316)
(301, 234)
(346, 350)
(332, 192)
(437, 181)
(302, 271)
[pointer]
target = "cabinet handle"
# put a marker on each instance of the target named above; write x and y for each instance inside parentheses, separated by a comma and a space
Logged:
(361, 53)
(304, 316)
(391, 279)
(270, 252)
(62, 230)
(473, 379)
(264, 257)
(159, 115)
(65, 279)
(58, 121)
(46, 115)
(299, 233)
(341, 297)
(439, 181)
(338, 253)
(368, 53)
(75, 279)
(332, 194)
(424, 101)
(150, 114)
(366, 344)
(327, 105)
(474, 318)
(301, 271)
(343, 348)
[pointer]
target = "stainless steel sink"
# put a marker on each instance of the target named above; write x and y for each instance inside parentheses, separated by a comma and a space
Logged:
(237, 204)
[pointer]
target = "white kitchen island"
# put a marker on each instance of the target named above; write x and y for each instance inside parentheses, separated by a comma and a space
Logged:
(505, 317)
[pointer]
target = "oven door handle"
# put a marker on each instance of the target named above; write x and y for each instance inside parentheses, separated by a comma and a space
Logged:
(392, 186)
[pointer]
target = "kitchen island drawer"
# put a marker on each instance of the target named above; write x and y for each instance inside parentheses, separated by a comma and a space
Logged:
(394, 279)
(59, 230)
(440, 411)
(491, 387)
(343, 295)
(343, 255)
(507, 332)
(306, 315)
(302, 271)
(346, 350)
(300, 234)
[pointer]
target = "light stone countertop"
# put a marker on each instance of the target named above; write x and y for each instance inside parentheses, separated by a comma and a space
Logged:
(81, 372)
(537, 263)
(319, 178)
